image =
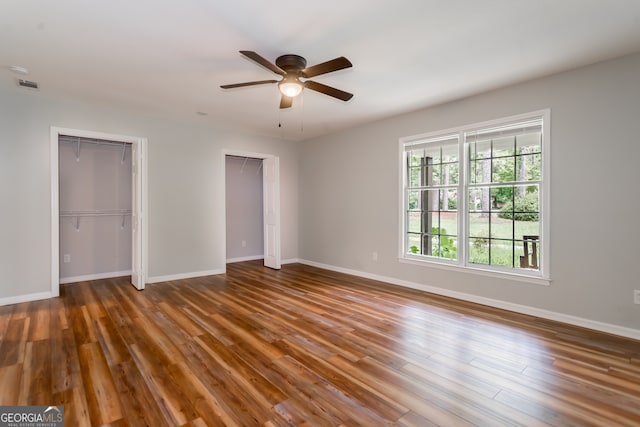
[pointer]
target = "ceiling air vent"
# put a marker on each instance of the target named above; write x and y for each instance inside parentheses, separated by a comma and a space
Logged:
(28, 84)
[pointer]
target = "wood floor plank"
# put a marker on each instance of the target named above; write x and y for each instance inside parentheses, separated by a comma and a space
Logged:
(102, 397)
(220, 387)
(114, 347)
(367, 396)
(176, 408)
(76, 410)
(36, 385)
(64, 359)
(40, 317)
(163, 347)
(306, 346)
(250, 380)
(83, 327)
(14, 343)
(138, 403)
(563, 400)
(329, 398)
(10, 378)
(205, 406)
(411, 419)
(184, 323)
(6, 312)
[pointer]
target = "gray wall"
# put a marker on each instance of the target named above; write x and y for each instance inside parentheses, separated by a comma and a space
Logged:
(245, 229)
(349, 206)
(186, 215)
(96, 180)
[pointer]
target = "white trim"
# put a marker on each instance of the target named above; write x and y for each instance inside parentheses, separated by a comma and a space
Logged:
(542, 276)
(244, 258)
(545, 212)
(263, 156)
(465, 128)
(182, 276)
(518, 308)
(26, 298)
(140, 207)
(442, 264)
(271, 212)
(55, 211)
(98, 276)
(55, 132)
(251, 154)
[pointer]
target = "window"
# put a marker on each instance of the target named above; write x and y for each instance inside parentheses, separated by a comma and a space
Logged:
(476, 197)
(432, 196)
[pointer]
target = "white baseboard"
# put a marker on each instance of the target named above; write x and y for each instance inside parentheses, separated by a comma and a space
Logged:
(98, 276)
(252, 258)
(181, 276)
(25, 298)
(246, 258)
(518, 308)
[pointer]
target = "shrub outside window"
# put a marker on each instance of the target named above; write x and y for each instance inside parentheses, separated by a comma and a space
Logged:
(476, 196)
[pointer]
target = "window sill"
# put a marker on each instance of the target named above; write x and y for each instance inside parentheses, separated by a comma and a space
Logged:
(535, 280)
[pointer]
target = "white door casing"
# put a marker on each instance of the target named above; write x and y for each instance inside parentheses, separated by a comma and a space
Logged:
(138, 221)
(271, 202)
(139, 206)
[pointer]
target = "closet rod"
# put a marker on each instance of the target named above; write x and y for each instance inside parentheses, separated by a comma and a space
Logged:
(244, 163)
(95, 213)
(76, 139)
(87, 214)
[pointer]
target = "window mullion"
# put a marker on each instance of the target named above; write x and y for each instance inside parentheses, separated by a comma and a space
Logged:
(463, 197)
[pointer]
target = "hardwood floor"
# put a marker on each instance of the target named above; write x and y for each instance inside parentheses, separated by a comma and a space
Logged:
(304, 346)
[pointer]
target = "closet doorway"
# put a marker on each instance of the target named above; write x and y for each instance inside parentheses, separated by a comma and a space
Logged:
(98, 206)
(243, 185)
(252, 198)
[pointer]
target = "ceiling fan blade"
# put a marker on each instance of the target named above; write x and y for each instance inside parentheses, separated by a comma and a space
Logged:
(259, 82)
(262, 61)
(286, 101)
(328, 90)
(326, 67)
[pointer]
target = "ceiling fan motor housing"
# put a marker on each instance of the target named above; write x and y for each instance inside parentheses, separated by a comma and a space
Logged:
(291, 63)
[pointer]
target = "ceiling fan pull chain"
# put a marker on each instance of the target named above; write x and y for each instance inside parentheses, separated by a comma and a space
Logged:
(280, 124)
(302, 113)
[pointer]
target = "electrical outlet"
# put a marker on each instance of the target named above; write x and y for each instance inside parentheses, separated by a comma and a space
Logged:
(374, 256)
(66, 258)
(244, 243)
(636, 296)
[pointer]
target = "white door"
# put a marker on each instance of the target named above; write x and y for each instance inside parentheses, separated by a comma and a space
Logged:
(137, 218)
(271, 206)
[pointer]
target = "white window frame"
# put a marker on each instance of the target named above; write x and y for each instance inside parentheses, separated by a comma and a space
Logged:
(540, 276)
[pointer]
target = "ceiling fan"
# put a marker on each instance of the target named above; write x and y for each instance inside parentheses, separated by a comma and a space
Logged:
(292, 68)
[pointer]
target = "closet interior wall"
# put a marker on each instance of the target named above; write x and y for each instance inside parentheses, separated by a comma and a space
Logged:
(95, 209)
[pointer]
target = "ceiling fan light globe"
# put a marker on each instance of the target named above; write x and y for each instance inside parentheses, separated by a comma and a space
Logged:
(290, 88)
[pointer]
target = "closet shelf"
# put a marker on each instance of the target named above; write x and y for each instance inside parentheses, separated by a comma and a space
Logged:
(97, 213)
(78, 140)
(108, 212)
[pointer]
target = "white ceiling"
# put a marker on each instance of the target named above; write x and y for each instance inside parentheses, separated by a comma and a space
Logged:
(169, 57)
